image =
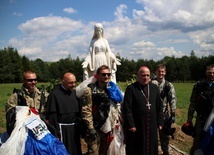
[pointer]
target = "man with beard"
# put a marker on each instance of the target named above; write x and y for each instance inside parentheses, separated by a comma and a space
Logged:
(101, 113)
(201, 102)
(64, 112)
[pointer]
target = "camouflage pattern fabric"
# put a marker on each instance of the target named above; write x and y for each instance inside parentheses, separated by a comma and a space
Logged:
(87, 116)
(200, 102)
(168, 99)
(31, 100)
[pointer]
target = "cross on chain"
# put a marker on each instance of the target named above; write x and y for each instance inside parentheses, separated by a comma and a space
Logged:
(146, 95)
(148, 105)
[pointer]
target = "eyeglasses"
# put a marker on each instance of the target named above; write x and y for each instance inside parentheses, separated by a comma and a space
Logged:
(31, 80)
(104, 74)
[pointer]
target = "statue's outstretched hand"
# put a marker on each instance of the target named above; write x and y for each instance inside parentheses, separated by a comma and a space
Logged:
(84, 64)
(118, 61)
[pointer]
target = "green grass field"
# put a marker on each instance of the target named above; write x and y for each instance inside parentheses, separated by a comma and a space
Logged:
(183, 92)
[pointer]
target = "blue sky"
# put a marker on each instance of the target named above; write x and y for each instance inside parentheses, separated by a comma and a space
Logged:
(53, 29)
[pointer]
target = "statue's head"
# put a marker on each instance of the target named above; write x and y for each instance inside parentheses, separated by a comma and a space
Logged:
(98, 28)
(98, 25)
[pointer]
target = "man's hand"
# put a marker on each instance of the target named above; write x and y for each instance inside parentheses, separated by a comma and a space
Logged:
(172, 117)
(132, 129)
(189, 121)
(92, 134)
(118, 61)
(84, 64)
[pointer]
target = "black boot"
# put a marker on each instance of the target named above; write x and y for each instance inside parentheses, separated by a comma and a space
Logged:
(165, 153)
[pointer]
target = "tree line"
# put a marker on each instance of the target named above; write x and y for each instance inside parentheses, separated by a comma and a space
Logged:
(185, 69)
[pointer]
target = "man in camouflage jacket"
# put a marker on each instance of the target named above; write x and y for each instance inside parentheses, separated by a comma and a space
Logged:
(168, 99)
(98, 105)
(29, 96)
(201, 102)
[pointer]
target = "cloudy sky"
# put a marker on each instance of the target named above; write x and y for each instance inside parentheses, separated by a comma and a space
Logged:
(147, 29)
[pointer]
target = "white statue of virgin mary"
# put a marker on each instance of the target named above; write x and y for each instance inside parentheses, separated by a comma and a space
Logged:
(99, 54)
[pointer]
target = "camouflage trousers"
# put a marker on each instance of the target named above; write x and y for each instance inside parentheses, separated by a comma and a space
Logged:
(98, 146)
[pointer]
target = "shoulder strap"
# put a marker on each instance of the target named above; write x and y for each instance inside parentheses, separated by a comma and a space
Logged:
(21, 100)
(42, 100)
(199, 86)
(165, 90)
(166, 87)
(92, 86)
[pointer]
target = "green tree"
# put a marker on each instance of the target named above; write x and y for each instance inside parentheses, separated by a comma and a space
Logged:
(186, 68)
(26, 64)
(5, 66)
(54, 70)
(77, 68)
(10, 66)
(172, 69)
(41, 70)
(65, 65)
(183, 69)
(16, 69)
(125, 70)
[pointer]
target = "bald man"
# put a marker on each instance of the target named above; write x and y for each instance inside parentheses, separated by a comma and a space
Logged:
(64, 111)
(143, 115)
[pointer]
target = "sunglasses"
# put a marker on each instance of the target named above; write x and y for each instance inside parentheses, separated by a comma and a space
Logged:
(104, 74)
(31, 80)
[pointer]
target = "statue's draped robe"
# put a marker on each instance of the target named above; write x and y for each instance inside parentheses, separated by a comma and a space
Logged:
(100, 54)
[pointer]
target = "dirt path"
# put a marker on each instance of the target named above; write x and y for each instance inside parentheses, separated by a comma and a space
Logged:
(180, 145)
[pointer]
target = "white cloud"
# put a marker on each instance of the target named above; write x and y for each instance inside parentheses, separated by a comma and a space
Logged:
(177, 14)
(69, 10)
(149, 50)
(49, 27)
(30, 50)
(205, 40)
(193, 19)
(162, 28)
(168, 51)
(144, 44)
(120, 12)
(42, 35)
(176, 41)
(182, 15)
